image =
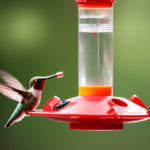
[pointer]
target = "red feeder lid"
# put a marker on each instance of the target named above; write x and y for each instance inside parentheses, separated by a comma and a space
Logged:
(95, 3)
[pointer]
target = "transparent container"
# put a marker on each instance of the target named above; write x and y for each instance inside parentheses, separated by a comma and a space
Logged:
(95, 51)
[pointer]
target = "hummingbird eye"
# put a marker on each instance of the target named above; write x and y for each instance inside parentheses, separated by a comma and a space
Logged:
(38, 80)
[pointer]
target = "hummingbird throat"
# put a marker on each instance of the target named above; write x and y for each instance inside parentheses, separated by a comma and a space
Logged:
(40, 85)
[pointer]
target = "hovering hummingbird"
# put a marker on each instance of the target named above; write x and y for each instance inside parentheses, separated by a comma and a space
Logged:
(28, 99)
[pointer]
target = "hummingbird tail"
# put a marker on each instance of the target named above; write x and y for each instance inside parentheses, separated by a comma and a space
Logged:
(8, 124)
(16, 118)
(17, 115)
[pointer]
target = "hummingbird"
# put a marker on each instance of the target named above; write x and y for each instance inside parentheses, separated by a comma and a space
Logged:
(28, 99)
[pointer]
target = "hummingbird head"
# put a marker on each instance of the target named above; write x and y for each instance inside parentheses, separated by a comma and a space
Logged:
(38, 82)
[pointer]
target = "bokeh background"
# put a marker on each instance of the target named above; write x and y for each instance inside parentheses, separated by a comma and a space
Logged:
(41, 38)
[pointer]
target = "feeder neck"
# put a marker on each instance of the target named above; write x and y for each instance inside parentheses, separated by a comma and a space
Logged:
(95, 3)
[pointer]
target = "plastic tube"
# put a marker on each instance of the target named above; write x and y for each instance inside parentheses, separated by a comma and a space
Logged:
(95, 34)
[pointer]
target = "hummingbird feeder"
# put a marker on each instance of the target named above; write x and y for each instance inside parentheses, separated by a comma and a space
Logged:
(95, 108)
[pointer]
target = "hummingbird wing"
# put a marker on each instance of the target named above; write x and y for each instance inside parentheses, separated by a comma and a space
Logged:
(11, 92)
(11, 81)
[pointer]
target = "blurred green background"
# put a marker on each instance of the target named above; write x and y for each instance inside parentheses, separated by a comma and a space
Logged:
(41, 38)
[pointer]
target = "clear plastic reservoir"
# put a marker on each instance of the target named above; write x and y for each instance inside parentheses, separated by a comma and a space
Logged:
(95, 51)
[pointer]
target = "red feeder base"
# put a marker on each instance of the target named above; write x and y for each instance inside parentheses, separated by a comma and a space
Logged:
(95, 113)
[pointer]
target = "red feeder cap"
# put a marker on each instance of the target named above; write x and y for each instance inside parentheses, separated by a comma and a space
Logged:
(95, 3)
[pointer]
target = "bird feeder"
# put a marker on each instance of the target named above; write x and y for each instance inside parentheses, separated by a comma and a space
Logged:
(95, 107)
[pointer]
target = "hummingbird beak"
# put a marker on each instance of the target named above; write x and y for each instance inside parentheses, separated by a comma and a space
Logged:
(58, 75)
